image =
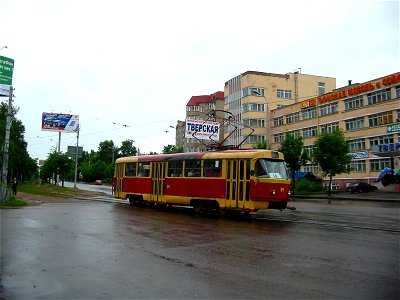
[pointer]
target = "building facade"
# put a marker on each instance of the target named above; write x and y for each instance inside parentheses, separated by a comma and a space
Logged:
(251, 96)
(199, 108)
(369, 115)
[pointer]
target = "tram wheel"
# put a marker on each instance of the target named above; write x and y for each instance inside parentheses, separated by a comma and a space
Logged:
(197, 207)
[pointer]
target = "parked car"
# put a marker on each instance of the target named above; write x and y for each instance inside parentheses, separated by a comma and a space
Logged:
(361, 187)
(98, 182)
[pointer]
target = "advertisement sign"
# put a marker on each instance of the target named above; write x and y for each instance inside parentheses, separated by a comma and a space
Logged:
(393, 128)
(202, 130)
(6, 72)
(60, 122)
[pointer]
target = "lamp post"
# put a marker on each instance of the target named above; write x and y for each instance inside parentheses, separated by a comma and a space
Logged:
(268, 116)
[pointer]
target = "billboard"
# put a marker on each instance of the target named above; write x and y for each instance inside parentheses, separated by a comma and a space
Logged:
(6, 72)
(60, 122)
(202, 130)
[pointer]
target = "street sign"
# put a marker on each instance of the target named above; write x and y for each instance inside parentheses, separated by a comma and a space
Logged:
(393, 128)
(6, 72)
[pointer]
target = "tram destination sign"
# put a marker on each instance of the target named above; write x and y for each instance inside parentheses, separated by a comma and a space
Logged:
(202, 130)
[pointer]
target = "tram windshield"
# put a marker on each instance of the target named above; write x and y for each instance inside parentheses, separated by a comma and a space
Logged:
(267, 168)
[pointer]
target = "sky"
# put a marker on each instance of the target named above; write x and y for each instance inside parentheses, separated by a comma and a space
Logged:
(128, 68)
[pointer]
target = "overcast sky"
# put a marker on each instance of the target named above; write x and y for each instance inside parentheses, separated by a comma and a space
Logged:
(137, 63)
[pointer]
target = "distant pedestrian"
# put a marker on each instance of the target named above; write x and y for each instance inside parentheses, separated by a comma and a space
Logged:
(14, 186)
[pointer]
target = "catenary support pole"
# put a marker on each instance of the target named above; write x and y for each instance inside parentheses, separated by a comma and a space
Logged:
(4, 173)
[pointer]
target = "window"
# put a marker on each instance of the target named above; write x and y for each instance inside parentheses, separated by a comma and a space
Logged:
(397, 91)
(144, 169)
(312, 168)
(379, 164)
(378, 96)
(353, 103)
(278, 121)
(192, 108)
(309, 149)
(175, 168)
(328, 109)
(278, 137)
(329, 127)
(358, 166)
(254, 122)
(253, 91)
(378, 140)
(309, 113)
(321, 88)
(213, 168)
(266, 168)
(130, 169)
(285, 94)
(380, 119)
(254, 139)
(253, 107)
(295, 133)
(356, 123)
(193, 168)
(310, 131)
(357, 144)
(292, 118)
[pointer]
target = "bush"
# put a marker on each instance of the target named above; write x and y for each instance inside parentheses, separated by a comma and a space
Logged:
(13, 202)
(307, 186)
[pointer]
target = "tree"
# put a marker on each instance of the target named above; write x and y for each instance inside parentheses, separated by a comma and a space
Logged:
(127, 148)
(293, 149)
(261, 145)
(331, 152)
(57, 163)
(107, 151)
(20, 164)
(172, 149)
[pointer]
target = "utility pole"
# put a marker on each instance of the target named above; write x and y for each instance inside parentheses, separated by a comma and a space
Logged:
(76, 157)
(4, 191)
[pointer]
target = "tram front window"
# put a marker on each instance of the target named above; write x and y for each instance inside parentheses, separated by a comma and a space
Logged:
(266, 168)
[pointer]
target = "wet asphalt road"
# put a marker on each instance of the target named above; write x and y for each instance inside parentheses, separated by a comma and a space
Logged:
(95, 250)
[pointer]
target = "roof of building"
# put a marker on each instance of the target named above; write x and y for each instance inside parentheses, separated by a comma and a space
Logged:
(196, 100)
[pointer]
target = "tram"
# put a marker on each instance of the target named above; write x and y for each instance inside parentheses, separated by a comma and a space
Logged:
(236, 180)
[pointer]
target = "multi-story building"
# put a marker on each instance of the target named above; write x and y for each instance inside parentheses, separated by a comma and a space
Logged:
(199, 108)
(250, 96)
(367, 113)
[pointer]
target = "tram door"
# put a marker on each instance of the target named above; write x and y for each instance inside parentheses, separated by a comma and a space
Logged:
(157, 181)
(238, 183)
(119, 178)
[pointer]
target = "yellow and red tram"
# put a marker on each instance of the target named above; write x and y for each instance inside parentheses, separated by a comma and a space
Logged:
(226, 180)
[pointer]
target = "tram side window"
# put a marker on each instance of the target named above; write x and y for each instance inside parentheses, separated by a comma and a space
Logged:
(130, 169)
(175, 168)
(212, 168)
(271, 168)
(144, 170)
(192, 168)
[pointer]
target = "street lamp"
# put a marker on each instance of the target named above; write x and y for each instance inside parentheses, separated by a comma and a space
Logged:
(4, 47)
(268, 116)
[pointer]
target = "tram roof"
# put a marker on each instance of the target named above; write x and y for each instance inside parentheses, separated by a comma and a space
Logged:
(236, 153)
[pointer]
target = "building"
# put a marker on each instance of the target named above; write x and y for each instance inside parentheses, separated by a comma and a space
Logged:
(199, 108)
(250, 96)
(369, 115)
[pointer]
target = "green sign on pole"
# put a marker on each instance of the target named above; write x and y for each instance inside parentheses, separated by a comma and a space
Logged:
(6, 70)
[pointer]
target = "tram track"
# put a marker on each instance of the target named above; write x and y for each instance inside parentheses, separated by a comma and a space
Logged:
(327, 223)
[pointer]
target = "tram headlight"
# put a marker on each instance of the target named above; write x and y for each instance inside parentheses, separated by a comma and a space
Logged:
(273, 192)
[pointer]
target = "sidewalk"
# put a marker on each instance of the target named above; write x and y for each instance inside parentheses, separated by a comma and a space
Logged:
(372, 196)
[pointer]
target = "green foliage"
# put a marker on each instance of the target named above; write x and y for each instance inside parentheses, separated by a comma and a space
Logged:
(13, 202)
(172, 149)
(260, 145)
(128, 149)
(56, 163)
(331, 152)
(308, 186)
(295, 156)
(20, 164)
